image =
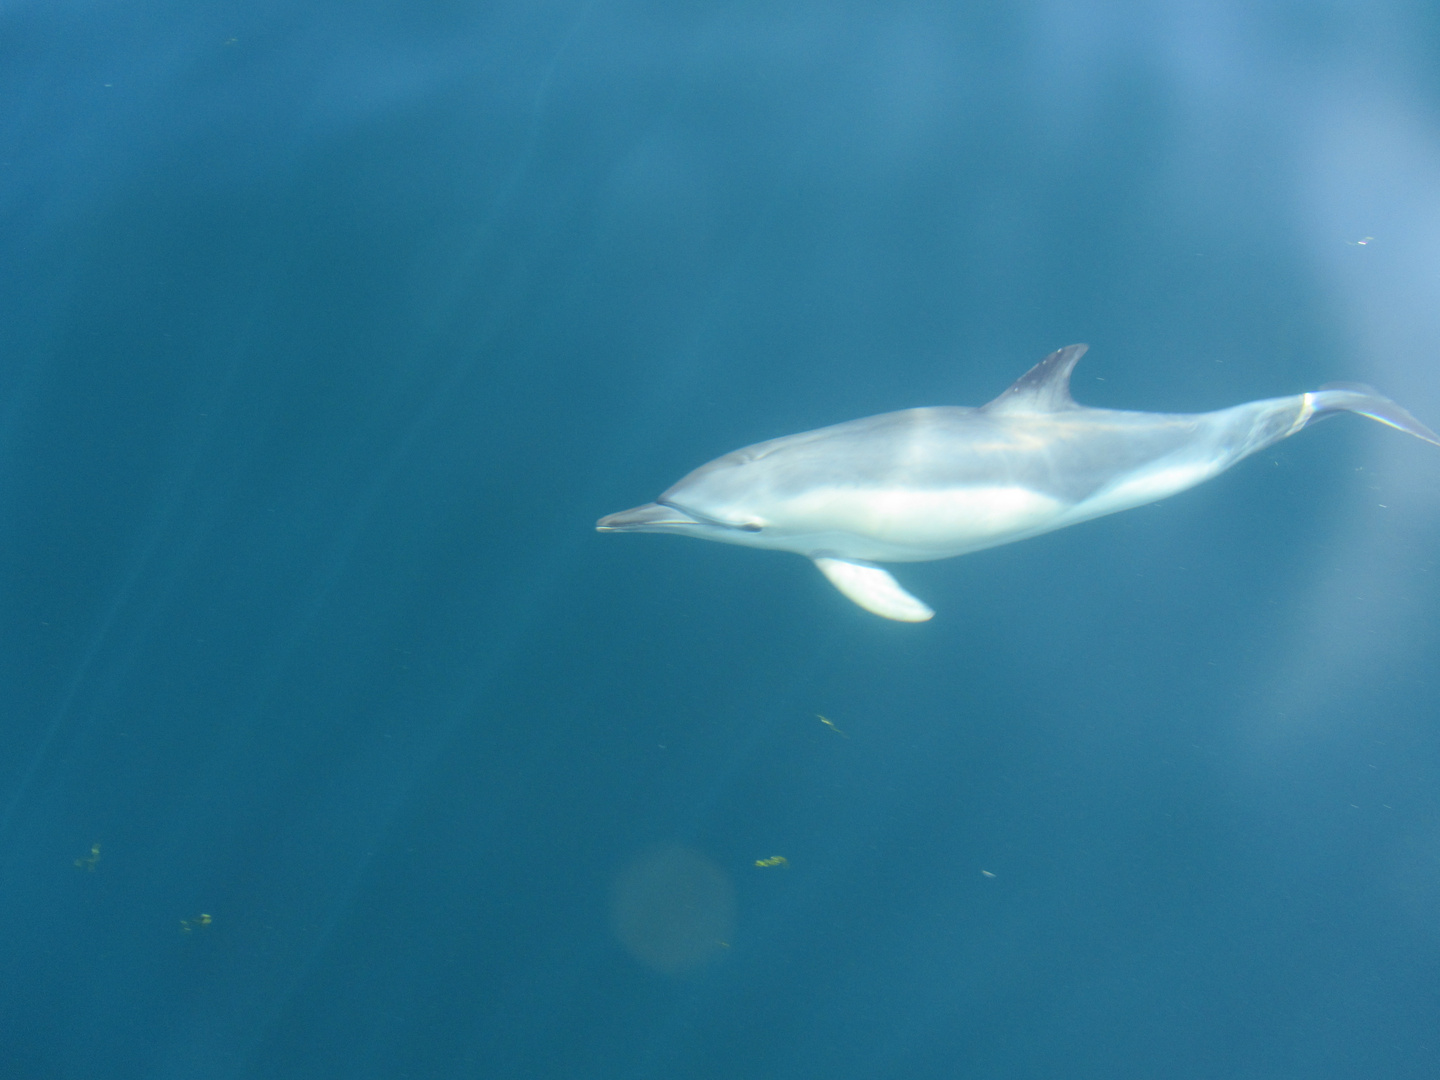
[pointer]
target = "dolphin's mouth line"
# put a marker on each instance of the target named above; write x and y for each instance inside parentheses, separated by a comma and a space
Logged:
(706, 519)
(665, 516)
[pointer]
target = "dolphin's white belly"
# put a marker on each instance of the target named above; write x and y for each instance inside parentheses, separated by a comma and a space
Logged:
(899, 525)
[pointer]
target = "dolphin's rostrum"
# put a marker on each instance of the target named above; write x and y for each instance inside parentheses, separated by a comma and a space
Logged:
(931, 483)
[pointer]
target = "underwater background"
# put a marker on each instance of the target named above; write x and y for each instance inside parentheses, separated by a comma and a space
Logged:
(335, 743)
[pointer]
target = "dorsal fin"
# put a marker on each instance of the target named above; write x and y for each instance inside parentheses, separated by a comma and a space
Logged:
(1044, 388)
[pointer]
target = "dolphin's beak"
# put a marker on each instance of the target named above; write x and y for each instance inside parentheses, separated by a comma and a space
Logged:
(652, 517)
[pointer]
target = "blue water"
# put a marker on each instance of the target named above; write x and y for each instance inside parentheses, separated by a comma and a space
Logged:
(334, 742)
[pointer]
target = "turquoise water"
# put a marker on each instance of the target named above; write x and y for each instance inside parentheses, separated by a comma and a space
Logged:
(336, 743)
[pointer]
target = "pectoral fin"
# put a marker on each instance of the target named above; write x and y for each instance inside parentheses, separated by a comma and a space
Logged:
(874, 590)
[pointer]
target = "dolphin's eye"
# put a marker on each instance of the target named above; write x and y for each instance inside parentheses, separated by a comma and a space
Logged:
(750, 526)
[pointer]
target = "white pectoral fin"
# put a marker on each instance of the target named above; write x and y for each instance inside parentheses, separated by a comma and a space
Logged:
(874, 590)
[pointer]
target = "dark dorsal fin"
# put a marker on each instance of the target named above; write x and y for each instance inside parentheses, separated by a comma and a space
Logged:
(1044, 388)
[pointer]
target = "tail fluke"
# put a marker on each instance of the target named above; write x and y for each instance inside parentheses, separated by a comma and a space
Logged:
(1367, 401)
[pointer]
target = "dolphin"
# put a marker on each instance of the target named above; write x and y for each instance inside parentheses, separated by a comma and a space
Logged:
(932, 483)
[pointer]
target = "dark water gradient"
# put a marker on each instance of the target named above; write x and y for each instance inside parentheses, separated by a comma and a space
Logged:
(327, 331)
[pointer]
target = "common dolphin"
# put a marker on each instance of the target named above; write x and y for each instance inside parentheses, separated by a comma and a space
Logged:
(932, 483)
